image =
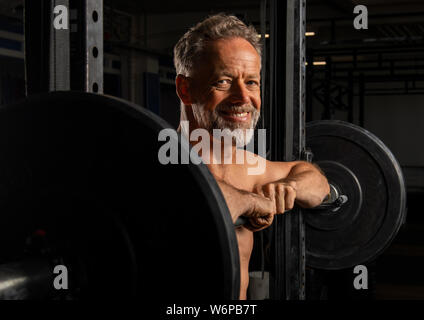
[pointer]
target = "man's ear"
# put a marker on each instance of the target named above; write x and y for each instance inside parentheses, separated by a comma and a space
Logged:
(183, 89)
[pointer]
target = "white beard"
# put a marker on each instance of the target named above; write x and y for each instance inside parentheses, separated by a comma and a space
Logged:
(210, 120)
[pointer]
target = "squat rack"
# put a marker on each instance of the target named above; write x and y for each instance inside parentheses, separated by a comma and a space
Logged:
(287, 137)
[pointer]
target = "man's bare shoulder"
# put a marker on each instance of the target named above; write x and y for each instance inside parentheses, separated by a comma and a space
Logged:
(274, 170)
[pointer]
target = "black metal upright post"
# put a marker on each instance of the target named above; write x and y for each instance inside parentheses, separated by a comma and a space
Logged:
(296, 63)
(87, 45)
(36, 17)
(46, 48)
(64, 58)
(59, 49)
(309, 85)
(287, 89)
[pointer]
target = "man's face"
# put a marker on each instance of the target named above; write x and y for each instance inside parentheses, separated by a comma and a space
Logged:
(225, 87)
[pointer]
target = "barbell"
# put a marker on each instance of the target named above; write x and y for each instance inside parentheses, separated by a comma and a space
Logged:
(367, 202)
(81, 186)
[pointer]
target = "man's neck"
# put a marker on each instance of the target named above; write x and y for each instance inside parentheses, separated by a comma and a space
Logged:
(212, 150)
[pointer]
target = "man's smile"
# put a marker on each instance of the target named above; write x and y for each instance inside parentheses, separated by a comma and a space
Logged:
(236, 116)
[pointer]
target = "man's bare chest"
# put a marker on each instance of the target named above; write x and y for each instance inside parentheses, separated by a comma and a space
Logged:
(235, 175)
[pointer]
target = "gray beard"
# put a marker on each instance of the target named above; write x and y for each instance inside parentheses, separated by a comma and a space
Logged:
(210, 120)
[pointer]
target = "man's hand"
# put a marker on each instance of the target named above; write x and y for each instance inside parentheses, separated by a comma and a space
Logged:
(307, 179)
(282, 193)
(261, 212)
(258, 209)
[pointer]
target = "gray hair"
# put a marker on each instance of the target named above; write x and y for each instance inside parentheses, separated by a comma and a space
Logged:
(219, 26)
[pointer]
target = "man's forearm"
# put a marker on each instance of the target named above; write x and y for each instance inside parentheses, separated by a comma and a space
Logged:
(311, 184)
(248, 204)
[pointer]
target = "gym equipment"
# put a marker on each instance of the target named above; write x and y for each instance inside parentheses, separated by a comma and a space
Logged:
(81, 186)
(367, 202)
(367, 205)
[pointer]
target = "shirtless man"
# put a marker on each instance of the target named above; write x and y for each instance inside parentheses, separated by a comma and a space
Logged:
(218, 67)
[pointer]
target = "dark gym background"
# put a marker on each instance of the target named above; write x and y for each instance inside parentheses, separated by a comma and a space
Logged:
(373, 78)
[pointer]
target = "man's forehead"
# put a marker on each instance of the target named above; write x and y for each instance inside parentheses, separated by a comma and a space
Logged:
(225, 54)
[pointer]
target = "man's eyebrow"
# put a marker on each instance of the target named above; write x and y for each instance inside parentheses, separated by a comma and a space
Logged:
(227, 73)
(231, 75)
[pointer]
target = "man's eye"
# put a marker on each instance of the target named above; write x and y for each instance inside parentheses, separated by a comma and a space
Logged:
(252, 83)
(223, 82)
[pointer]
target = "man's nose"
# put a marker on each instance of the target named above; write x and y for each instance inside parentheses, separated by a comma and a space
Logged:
(239, 94)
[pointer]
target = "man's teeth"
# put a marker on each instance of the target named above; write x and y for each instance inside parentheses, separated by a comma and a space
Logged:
(239, 115)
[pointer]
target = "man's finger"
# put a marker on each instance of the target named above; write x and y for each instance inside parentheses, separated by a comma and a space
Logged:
(269, 191)
(258, 190)
(290, 197)
(257, 224)
(280, 198)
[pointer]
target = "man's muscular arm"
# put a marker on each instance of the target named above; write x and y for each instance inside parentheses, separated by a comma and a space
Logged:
(310, 183)
(298, 181)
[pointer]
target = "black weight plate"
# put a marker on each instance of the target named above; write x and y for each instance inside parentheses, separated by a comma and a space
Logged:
(83, 168)
(364, 169)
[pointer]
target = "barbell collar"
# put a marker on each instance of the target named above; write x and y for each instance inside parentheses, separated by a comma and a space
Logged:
(333, 201)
